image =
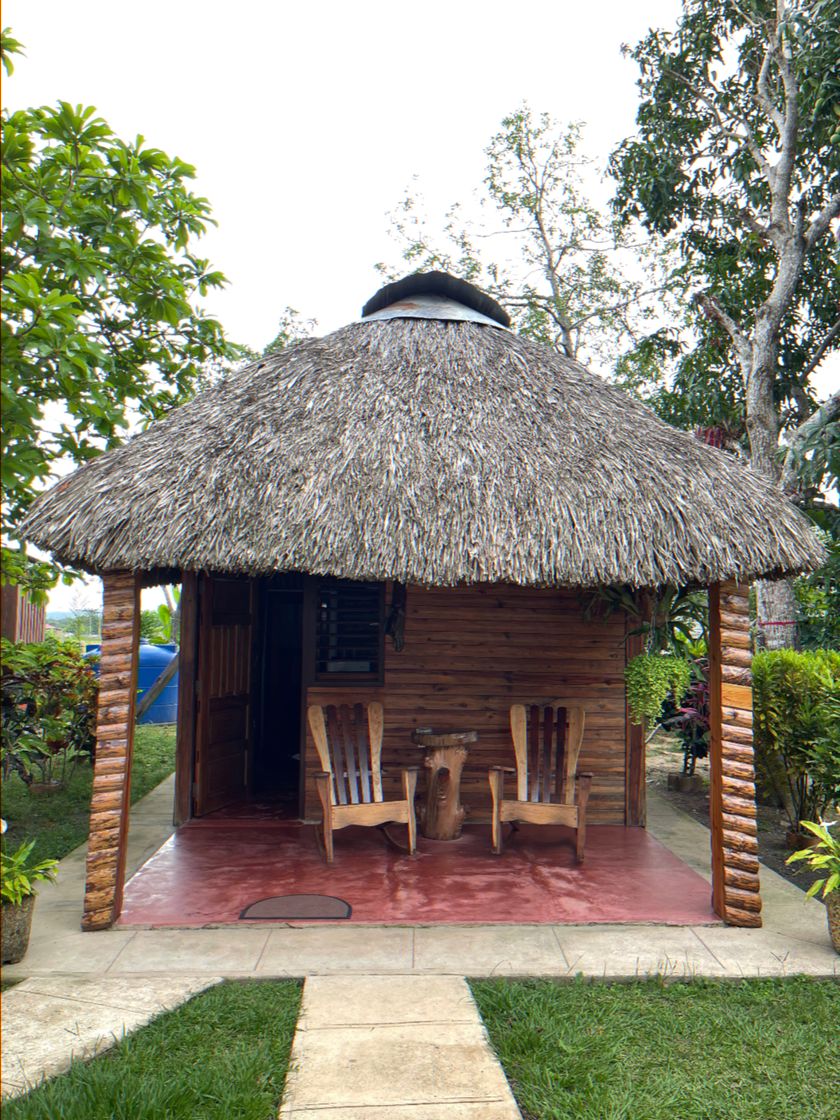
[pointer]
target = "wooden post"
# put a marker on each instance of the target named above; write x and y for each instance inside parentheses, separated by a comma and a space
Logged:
(635, 800)
(187, 699)
(735, 887)
(114, 742)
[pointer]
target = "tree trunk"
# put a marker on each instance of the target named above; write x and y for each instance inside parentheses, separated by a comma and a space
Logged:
(776, 614)
(444, 814)
(775, 600)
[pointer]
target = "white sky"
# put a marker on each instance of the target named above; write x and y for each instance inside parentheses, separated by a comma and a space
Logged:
(306, 122)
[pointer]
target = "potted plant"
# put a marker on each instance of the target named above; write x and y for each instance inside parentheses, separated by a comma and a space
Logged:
(18, 875)
(653, 680)
(824, 856)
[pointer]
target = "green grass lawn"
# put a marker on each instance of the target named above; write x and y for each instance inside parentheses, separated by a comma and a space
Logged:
(649, 1050)
(221, 1056)
(59, 820)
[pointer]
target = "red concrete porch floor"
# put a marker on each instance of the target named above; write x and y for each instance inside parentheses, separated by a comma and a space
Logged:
(207, 873)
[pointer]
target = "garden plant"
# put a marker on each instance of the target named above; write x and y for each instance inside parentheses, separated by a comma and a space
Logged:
(797, 731)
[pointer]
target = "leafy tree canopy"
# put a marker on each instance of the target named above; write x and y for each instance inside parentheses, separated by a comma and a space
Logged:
(737, 152)
(100, 326)
(565, 272)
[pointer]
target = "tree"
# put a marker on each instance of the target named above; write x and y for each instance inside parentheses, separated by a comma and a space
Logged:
(738, 153)
(291, 329)
(560, 266)
(100, 324)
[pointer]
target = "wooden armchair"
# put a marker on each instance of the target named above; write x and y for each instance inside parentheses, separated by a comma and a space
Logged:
(349, 744)
(549, 790)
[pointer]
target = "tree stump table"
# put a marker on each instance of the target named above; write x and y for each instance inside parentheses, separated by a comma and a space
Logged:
(446, 753)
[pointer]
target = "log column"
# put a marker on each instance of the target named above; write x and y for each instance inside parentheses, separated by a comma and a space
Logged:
(114, 743)
(735, 889)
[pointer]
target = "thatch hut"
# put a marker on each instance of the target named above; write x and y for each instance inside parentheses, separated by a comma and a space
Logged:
(426, 473)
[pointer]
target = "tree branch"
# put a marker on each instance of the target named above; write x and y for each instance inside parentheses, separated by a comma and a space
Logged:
(789, 131)
(825, 414)
(747, 137)
(713, 309)
(616, 307)
(821, 350)
(765, 98)
(819, 226)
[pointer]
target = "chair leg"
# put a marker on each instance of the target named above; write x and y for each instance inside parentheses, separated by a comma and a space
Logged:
(322, 784)
(497, 791)
(409, 778)
(583, 784)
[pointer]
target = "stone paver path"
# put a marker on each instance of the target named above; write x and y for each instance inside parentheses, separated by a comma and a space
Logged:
(393, 1048)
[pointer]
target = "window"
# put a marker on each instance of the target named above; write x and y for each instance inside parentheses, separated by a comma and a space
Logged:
(348, 630)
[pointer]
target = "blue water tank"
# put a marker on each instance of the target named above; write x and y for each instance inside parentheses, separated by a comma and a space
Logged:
(153, 660)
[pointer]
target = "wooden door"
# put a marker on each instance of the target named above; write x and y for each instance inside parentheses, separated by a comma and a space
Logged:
(225, 657)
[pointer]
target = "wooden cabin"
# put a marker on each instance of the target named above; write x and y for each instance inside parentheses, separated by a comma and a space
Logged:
(417, 509)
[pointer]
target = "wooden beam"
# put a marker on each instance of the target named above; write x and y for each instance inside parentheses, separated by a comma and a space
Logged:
(187, 679)
(111, 798)
(635, 803)
(735, 887)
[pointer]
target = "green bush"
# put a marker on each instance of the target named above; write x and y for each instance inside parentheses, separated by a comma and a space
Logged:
(49, 708)
(796, 698)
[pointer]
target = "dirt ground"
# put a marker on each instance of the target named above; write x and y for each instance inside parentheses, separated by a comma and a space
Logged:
(664, 757)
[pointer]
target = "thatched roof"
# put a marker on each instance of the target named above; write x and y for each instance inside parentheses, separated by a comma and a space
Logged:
(431, 451)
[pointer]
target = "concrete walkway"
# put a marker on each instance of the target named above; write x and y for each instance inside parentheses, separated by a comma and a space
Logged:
(48, 1020)
(393, 1048)
(143, 970)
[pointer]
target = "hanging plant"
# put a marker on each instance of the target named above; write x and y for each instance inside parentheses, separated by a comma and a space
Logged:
(650, 679)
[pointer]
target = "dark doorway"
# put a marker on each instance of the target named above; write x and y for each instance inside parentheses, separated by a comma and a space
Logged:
(279, 746)
(223, 738)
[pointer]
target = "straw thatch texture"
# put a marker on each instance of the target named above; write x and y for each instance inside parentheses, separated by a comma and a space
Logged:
(429, 452)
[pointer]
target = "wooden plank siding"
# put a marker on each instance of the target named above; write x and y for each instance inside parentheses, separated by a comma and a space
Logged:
(22, 620)
(471, 652)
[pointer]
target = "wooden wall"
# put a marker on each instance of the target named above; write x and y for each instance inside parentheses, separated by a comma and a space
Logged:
(469, 654)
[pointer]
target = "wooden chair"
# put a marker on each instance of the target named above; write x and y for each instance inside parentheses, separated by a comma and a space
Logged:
(348, 739)
(549, 790)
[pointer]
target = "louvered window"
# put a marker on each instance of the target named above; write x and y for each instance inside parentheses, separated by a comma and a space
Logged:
(348, 635)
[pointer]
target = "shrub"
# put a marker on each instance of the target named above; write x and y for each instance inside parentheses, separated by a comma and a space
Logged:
(49, 708)
(797, 730)
(691, 720)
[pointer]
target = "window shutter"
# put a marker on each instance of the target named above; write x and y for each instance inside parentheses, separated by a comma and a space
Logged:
(348, 634)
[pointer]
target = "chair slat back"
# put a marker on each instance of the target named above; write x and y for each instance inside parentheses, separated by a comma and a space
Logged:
(348, 739)
(547, 739)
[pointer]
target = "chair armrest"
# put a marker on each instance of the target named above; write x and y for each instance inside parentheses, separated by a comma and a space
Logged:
(321, 774)
(504, 769)
(585, 774)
